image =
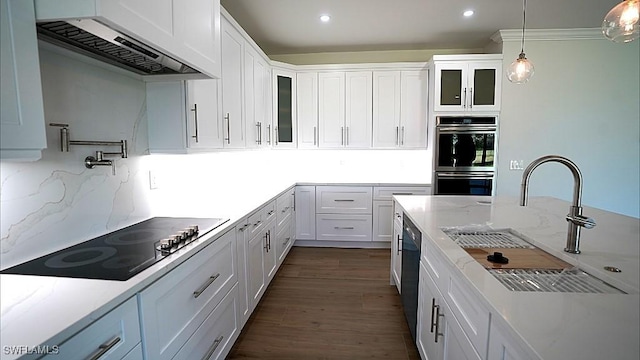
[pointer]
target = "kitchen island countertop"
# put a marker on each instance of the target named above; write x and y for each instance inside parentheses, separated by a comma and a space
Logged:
(549, 325)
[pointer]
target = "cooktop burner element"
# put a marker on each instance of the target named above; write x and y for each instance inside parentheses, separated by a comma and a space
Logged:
(123, 253)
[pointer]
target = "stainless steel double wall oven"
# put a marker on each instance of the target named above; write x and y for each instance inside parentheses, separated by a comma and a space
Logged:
(465, 153)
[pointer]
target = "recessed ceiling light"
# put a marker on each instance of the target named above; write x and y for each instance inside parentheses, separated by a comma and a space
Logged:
(468, 13)
(325, 18)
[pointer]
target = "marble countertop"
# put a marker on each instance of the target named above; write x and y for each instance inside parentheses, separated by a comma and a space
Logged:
(551, 325)
(39, 310)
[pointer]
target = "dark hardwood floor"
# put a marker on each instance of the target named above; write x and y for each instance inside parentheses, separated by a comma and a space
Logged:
(327, 303)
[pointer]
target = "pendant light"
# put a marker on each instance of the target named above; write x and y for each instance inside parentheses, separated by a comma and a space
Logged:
(521, 70)
(621, 23)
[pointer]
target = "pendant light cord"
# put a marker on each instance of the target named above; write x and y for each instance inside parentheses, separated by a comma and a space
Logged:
(524, 21)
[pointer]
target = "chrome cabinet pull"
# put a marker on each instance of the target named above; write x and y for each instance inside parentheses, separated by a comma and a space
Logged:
(437, 329)
(204, 287)
(347, 141)
(464, 103)
(344, 200)
(402, 137)
(258, 125)
(470, 98)
(397, 135)
(102, 349)
(277, 137)
(269, 134)
(315, 132)
(400, 247)
(343, 227)
(342, 132)
(244, 227)
(286, 241)
(213, 348)
(228, 138)
(269, 239)
(258, 223)
(433, 311)
(195, 118)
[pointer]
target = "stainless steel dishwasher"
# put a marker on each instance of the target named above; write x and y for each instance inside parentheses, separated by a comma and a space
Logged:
(411, 242)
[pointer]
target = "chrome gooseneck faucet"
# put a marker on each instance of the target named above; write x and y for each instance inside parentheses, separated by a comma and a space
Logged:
(575, 218)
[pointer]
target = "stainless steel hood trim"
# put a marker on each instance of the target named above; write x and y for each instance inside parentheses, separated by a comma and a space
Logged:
(100, 42)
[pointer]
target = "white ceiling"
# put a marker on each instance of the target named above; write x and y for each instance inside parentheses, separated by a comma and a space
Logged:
(293, 26)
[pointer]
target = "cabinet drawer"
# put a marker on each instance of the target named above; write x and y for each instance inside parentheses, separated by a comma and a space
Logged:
(284, 240)
(342, 199)
(118, 332)
(216, 335)
(386, 192)
(472, 316)
(284, 207)
(432, 260)
(343, 227)
(174, 307)
(258, 219)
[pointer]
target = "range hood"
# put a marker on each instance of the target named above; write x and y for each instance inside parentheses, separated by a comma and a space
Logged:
(96, 40)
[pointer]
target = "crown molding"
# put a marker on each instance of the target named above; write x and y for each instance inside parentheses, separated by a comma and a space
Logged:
(548, 34)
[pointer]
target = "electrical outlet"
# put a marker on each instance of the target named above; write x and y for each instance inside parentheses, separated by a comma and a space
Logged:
(516, 165)
(153, 180)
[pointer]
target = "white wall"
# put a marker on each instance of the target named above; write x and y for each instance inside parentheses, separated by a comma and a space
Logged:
(582, 103)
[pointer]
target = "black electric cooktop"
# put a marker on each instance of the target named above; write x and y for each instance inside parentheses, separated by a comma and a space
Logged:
(121, 254)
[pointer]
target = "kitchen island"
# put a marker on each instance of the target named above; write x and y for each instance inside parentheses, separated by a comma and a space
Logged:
(536, 325)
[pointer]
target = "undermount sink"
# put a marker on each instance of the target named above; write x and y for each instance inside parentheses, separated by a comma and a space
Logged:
(529, 268)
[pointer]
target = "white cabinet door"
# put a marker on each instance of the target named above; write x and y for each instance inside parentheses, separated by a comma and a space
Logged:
(256, 268)
(331, 110)
(232, 86)
(305, 212)
(22, 125)
(450, 86)
(429, 309)
(386, 109)
(250, 76)
(359, 109)
(382, 221)
(242, 241)
(307, 105)
(484, 83)
(271, 253)
(262, 91)
(204, 123)
(396, 253)
(413, 109)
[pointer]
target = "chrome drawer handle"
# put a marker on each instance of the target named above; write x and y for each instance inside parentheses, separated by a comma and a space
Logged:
(433, 310)
(213, 348)
(437, 330)
(343, 227)
(258, 223)
(205, 286)
(270, 212)
(344, 200)
(398, 253)
(286, 241)
(102, 349)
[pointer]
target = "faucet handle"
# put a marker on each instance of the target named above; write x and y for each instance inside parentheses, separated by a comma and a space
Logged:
(580, 220)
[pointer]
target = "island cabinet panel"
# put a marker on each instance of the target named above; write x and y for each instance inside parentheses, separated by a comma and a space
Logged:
(176, 305)
(305, 214)
(113, 336)
(396, 247)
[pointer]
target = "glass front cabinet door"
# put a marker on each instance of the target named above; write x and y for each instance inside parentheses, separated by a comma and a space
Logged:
(284, 90)
(467, 86)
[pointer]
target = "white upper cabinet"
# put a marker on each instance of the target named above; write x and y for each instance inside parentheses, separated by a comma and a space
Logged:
(22, 125)
(345, 101)
(331, 115)
(232, 87)
(413, 109)
(400, 109)
(359, 109)
(307, 109)
(256, 101)
(467, 84)
(184, 116)
(188, 30)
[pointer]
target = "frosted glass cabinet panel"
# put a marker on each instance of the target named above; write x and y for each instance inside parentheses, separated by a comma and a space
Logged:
(285, 103)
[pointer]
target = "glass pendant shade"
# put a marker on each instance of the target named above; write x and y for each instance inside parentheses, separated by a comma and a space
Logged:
(621, 24)
(521, 70)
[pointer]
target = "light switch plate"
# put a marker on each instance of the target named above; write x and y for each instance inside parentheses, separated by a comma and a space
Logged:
(153, 180)
(516, 165)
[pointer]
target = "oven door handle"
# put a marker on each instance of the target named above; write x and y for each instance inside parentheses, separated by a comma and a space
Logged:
(465, 175)
(465, 129)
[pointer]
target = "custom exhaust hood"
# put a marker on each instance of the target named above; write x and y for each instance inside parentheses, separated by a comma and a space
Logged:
(96, 40)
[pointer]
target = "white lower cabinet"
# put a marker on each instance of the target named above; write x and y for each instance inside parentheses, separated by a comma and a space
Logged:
(382, 208)
(215, 337)
(340, 227)
(439, 335)
(305, 214)
(261, 254)
(396, 249)
(504, 346)
(113, 336)
(175, 306)
(284, 240)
